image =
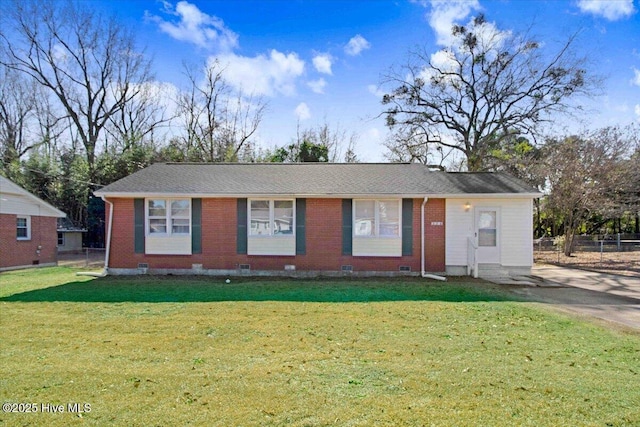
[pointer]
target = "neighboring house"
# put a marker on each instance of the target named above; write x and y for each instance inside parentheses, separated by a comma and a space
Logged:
(28, 234)
(69, 236)
(270, 218)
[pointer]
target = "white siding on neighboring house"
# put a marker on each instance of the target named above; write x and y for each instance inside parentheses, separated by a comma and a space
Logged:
(18, 201)
(515, 234)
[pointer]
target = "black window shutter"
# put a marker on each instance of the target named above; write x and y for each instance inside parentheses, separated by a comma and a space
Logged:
(347, 227)
(242, 227)
(138, 225)
(301, 238)
(196, 226)
(407, 227)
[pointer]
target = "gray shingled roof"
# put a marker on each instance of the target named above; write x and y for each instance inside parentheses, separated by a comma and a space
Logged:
(310, 179)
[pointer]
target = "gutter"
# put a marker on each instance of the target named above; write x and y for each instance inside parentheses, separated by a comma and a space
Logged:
(105, 271)
(423, 273)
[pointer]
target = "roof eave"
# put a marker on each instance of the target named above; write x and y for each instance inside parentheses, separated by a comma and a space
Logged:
(132, 195)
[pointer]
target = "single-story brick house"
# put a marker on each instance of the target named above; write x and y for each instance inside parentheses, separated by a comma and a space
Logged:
(310, 218)
(28, 235)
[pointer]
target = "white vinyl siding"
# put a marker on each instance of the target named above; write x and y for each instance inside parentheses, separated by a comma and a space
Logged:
(377, 228)
(515, 236)
(285, 246)
(168, 245)
(377, 246)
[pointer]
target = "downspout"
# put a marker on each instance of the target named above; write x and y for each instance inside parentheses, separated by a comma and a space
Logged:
(109, 227)
(108, 246)
(423, 273)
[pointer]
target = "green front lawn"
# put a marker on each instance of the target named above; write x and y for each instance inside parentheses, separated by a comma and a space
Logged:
(197, 351)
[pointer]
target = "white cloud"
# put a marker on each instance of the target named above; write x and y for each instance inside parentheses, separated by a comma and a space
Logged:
(376, 91)
(636, 77)
(323, 63)
(445, 13)
(608, 9)
(194, 26)
(269, 75)
(356, 45)
(317, 85)
(637, 111)
(443, 60)
(302, 112)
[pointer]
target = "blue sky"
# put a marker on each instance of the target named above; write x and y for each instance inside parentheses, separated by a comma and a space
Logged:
(318, 62)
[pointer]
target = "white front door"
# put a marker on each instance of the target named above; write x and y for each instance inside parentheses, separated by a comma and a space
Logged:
(487, 231)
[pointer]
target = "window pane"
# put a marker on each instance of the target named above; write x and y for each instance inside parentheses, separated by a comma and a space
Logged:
(487, 220)
(157, 208)
(260, 218)
(157, 226)
(22, 229)
(389, 216)
(180, 226)
(487, 237)
(283, 217)
(180, 208)
(365, 218)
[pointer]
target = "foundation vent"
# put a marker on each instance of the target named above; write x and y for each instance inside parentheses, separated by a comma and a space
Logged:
(143, 265)
(348, 268)
(245, 267)
(290, 267)
(405, 268)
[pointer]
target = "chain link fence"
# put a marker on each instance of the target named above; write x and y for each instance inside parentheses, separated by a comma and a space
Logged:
(87, 258)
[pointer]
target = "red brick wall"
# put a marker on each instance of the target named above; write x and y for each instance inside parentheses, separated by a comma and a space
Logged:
(323, 241)
(14, 252)
(434, 232)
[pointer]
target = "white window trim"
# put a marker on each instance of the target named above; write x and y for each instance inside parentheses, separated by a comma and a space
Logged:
(271, 219)
(167, 217)
(28, 220)
(376, 235)
(61, 234)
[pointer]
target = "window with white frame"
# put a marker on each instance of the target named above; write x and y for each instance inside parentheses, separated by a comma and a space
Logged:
(376, 218)
(60, 239)
(271, 218)
(168, 216)
(23, 227)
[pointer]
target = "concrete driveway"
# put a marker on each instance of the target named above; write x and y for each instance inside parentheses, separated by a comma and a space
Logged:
(609, 297)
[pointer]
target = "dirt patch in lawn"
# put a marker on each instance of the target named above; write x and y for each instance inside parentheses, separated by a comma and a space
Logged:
(93, 258)
(623, 263)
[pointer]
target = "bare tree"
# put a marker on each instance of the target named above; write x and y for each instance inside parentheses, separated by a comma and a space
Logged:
(17, 105)
(140, 118)
(219, 122)
(487, 86)
(26, 118)
(89, 63)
